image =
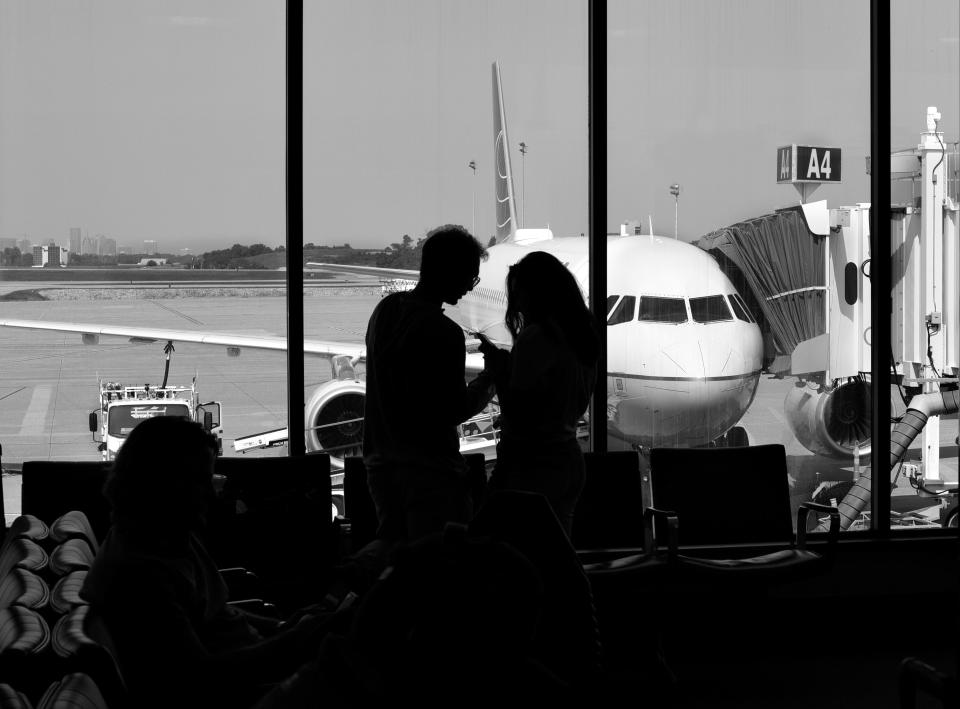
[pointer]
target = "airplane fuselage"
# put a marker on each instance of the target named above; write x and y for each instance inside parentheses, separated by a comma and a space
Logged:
(682, 362)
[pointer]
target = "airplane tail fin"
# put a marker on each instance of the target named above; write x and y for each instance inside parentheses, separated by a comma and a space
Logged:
(503, 172)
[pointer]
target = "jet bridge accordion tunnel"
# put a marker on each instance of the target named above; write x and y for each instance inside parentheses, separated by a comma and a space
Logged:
(813, 294)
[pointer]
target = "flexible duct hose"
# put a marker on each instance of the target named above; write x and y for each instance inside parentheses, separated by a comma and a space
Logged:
(921, 407)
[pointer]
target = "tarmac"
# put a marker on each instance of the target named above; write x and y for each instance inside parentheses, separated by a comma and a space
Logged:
(48, 380)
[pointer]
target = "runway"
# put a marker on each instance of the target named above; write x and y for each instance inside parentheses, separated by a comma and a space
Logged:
(48, 381)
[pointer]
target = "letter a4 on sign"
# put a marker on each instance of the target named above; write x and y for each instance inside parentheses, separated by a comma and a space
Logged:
(816, 164)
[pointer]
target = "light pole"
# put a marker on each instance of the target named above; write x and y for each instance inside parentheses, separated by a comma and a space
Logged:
(473, 224)
(523, 182)
(675, 191)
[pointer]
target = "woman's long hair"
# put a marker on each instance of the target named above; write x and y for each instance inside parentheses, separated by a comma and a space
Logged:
(542, 290)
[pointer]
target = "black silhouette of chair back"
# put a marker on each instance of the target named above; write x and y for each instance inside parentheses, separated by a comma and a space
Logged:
(361, 513)
(609, 513)
(727, 496)
(724, 495)
(273, 516)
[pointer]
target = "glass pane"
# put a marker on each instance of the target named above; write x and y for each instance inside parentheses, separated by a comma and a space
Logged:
(741, 82)
(611, 300)
(925, 128)
(653, 309)
(398, 116)
(140, 145)
(624, 311)
(738, 308)
(713, 308)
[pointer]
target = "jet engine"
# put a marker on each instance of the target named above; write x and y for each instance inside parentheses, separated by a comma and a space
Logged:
(831, 421)
(334, 419)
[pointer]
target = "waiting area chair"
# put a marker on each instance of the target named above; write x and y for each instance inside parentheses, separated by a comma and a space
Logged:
(81, 642)
(73, 691)
(360, 514)
(918, 682)
(76, 690)
(20, 587)
(609, 513)
(708, 497)
(272, 517)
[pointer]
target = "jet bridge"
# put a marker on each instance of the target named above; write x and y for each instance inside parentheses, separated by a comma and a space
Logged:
(808, 269)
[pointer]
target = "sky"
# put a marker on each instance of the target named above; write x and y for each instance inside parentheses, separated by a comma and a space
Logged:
(164, 119)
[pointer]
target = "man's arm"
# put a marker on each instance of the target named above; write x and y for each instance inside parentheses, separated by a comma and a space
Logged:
(457, 400)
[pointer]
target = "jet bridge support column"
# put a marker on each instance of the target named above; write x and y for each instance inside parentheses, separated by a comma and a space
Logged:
(934, 278)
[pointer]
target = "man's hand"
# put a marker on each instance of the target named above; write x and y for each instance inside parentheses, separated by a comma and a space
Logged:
(486, 348)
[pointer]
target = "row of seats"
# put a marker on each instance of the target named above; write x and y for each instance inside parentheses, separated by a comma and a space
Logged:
(271, 516)
(33, 654)
(638, 557)
(22, 587)
(43, 567)
(733, 496)
(47, 648)
(73, 691)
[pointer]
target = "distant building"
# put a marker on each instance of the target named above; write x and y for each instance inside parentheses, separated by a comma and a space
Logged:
(106, 246)
(88, 247)
(75, 240)
(154, 261)
(25, 246)
(149, 246)
(49, 253)
(124, 250)
(8, 244)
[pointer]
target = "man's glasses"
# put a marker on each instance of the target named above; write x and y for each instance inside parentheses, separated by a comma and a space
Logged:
(475, 281)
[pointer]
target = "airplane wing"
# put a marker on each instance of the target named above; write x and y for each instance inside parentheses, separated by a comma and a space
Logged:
(400, 273)
(91, 333)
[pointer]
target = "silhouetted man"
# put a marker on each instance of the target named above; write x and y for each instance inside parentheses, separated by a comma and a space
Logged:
(417, 395)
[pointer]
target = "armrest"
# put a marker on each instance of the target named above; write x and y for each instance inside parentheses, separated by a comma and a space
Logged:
(592, 556)
(257, 607)
(670, 519)
(802, 512)
(916, 676)
(241, 583)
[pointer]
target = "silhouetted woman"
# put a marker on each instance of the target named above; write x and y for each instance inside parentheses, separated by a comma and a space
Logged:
(544, 384)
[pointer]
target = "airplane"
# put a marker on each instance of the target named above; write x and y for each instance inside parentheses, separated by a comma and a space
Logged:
(684, 353)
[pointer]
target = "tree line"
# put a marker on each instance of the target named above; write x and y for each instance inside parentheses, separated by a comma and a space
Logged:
(403, 254)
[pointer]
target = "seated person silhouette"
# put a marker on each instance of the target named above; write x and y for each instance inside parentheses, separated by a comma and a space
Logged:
(161, 596)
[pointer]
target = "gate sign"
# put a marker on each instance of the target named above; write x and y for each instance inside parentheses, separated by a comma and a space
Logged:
(807, 163)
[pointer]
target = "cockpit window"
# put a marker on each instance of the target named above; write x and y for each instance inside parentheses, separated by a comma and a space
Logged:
(738, 308)
(624, 311)
(712, 308)
(611, 299)
(654, 309)
(743, 304)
